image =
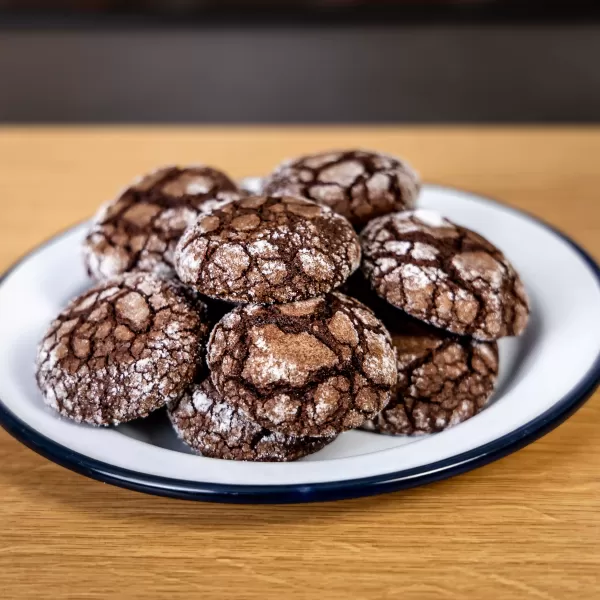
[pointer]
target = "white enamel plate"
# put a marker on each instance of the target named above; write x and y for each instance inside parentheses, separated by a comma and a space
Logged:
(545, 375)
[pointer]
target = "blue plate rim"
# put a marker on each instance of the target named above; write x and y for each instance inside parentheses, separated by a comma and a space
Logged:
(325, 491)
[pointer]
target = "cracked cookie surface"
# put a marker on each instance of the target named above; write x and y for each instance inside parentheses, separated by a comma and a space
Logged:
(443, 379)
(444, 274)
(311, 368)
(122, 349)
(139, 230)
(264, 249)
(214, 428)
(358, 184)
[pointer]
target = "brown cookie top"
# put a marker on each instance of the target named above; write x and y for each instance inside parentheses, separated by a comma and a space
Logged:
(314, 368)
(264, 249)
(443, 379)
(141, 227)
(214, 428)
(358, 184)
(444, 274)
(122, 349)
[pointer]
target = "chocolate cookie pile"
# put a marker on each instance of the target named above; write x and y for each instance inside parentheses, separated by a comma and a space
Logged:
(245, 314)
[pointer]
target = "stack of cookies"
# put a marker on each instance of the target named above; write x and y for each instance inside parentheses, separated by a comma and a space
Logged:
(225, 307)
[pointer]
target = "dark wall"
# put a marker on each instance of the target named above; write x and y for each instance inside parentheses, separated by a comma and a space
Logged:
(371, 73)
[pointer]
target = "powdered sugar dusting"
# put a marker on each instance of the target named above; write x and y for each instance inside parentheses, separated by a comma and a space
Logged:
(263, 249)
(380, 362)
(430, 218)
(199, 185)
(480, 266)
(275, 356)
(253, 185)
(417, 278)
(315, 264)
(422, 251)
(386, 264)
(399, 248)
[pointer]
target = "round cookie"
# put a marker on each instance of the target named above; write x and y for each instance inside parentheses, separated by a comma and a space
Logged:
(122, 349)
(358, 184)
(310, 368)
(443, 379)
(141, 227)
(264, 249)
(444, 274)
(212, 427)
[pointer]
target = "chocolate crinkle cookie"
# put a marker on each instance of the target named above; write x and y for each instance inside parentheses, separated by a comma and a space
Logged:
(141, 227)
(444, 274)
(443, 379)
(358, 184)
(310, 368)
(121, 350)
(263, 249)
(214, 428)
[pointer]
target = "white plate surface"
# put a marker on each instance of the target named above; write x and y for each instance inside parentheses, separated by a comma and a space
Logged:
(557, 355)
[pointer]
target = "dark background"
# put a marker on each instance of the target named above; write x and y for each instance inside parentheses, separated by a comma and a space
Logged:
(317, 61)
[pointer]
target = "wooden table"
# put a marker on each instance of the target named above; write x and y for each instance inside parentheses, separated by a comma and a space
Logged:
(525, 527)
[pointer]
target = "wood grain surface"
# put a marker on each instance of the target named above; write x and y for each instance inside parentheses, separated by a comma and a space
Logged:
(525, 527)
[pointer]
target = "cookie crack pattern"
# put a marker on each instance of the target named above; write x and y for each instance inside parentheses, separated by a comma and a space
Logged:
(265, 249)
(358, 184)
(309, 368)
(122, 349)
(440, 388)
(444, 274)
